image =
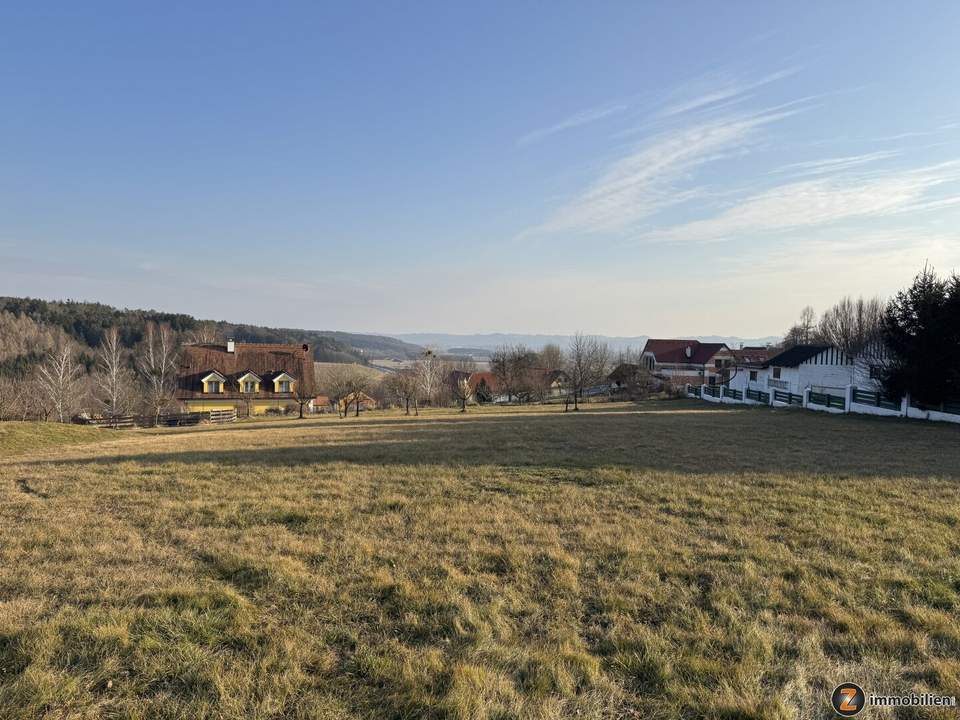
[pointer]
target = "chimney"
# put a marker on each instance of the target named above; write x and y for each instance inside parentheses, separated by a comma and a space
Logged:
(230, 345)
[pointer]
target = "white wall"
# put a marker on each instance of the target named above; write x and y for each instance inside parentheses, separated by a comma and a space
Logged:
(932, 415)
(827, 377)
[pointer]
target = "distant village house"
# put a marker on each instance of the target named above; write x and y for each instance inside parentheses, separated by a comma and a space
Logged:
(681, 362)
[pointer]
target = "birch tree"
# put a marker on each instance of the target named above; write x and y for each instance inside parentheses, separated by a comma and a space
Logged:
(157, 365)
(59, 382)
(113, 377)
(429, 373)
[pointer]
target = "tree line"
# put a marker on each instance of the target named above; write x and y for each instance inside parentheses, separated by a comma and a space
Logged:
(912, 339)
(119, 381)
(518, 374)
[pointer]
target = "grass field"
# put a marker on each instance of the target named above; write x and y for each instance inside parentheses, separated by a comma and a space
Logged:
(662, 560)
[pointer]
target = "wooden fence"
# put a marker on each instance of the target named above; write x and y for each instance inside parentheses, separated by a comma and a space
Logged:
(223, 416)
(787, 397)
(165, 420)
(828, 400)
(876, 399)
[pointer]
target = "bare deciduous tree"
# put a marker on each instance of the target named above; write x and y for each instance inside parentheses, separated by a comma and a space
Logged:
(429, 373)
(59, 380)
(303, 390)
(157, 365)
(8, 397)
(403, 386)
(335, 383)
(358, 386)
(804, 331)
(346, 385)
(550, 357)
(460, 387)
(113, 378)
(205, 333)
(512, 366)
(587, 360)
(851, 324)
(19, 397)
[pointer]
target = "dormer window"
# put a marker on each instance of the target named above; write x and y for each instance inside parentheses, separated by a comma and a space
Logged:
(249, 383)
(283, 383)
(213, 383)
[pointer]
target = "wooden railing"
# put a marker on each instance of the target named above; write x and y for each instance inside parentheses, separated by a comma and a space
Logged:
(876, 399)
(164, 420)
(828, 400)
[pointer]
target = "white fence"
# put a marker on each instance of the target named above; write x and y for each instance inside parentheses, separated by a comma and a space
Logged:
(853, 400)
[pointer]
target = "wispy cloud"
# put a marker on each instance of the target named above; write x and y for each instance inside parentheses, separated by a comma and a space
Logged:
(729, 89)
(582, 118)
(833, 165)
(821, 201)
(648, 179)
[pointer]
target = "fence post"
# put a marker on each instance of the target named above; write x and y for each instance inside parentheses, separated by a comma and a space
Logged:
(905, 405)
(806, 397)
(848, 399)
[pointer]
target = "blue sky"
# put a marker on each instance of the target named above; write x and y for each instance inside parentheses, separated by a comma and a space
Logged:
(619, 168)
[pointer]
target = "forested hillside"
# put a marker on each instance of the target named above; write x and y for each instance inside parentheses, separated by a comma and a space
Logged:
(30, 327)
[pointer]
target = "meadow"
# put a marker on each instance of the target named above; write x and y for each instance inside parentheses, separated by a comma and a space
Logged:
(657, 560)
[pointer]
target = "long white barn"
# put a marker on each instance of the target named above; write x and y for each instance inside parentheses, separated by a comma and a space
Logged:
(821, 368)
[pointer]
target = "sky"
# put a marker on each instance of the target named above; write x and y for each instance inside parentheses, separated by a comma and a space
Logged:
(623, 168)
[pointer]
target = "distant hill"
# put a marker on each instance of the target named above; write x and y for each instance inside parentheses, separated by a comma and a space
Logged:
(86, 323)
(451, 343)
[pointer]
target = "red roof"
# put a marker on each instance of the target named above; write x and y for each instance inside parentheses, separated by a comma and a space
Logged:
(751, 355)
(692, 352)
(488, 377)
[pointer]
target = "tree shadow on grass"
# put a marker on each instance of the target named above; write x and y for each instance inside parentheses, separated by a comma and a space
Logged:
(712, 442)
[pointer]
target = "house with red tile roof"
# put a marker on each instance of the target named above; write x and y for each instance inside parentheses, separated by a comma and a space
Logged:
(681, 362)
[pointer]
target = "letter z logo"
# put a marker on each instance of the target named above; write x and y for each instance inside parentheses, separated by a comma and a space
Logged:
(848, 699)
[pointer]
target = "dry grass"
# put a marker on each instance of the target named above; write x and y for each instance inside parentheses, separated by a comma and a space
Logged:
(655, 561)
(322, 369)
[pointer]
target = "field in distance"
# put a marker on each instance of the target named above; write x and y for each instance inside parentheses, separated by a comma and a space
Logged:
(658, 560)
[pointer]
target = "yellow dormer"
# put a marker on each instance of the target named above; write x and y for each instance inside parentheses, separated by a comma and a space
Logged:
(249, 383)
(213, 383)
(283, 383)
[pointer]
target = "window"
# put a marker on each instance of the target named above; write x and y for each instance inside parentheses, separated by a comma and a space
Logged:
(213, 386)
(713, 379)
(776, 373)
(249, 386)
(718, 363)
(753, 375)
(875, 372)
(284, 386)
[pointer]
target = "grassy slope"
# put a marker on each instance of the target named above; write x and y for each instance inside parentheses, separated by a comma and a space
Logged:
(682, 561)
(17, 438)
